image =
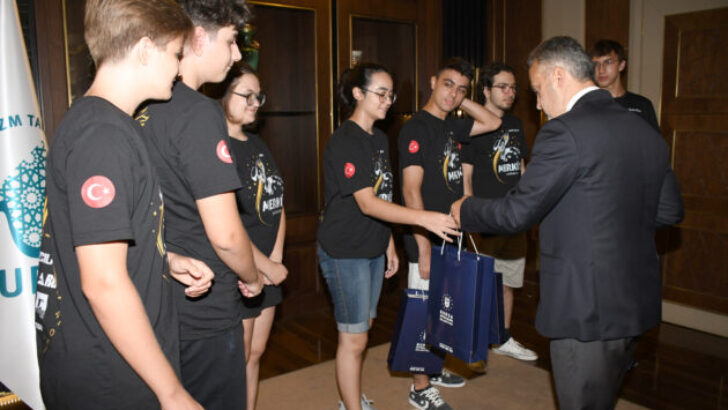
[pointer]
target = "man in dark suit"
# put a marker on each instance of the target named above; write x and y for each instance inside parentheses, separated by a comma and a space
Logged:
(600, 184)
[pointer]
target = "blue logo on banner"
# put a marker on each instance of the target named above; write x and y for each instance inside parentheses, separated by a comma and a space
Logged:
(16, 280)
(21, 199)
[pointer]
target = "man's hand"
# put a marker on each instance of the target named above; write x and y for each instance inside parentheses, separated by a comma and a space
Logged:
(455, 210)
(191, 272)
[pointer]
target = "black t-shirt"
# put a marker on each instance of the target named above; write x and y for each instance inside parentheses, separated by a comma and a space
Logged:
(434, 144)
(260, 200)
(496, 158)
(101, 186)
(353, 160)
(188, 142)
(639, 105)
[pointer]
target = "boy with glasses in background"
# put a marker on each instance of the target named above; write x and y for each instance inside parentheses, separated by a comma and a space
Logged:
(492, 165)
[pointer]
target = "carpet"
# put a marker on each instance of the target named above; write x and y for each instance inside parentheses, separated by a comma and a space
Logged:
(509, 384)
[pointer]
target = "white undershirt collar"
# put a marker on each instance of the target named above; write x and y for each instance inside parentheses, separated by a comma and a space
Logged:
(578, 95)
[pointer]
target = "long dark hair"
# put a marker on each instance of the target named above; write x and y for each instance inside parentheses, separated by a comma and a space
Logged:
(359, 76)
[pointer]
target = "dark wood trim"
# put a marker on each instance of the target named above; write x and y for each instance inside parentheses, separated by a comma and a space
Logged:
(52, 79)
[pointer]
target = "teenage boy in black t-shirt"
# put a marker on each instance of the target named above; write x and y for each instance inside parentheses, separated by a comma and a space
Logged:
(188, 142)
(492, 165)
(609, 62)
(432, 179)
(106, 323)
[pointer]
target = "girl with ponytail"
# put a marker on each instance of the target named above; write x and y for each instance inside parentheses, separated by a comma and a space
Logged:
(354, 233)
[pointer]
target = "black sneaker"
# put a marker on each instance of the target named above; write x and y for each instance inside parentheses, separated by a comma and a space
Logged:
(428, 399)
(447, 379)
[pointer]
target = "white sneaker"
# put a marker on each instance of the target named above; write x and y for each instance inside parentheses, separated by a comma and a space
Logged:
(366, 404)
(428, 399)
(516, 350)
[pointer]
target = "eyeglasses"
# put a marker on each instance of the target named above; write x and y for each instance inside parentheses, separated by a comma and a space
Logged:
(504, 87)
(251, 98)
(383, 95)
(605, 63)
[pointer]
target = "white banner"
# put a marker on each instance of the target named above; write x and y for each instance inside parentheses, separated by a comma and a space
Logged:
(22, 193)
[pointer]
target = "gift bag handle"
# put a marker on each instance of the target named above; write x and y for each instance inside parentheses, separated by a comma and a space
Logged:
(419, 294)
(460, 245)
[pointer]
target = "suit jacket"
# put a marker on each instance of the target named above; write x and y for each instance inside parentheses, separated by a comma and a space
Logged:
(600, 183)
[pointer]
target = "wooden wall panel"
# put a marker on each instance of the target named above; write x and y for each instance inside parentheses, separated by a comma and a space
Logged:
(607, 19)
(426, 14)
(700, 163)
(376, 37)
(292, 141)
(711, 80)
(53, 89)
(517, 45)
(429, 47)
(510, 43)
(515, 31)
(694, 121)
(295, 71)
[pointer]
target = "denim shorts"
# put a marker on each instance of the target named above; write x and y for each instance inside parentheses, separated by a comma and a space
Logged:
(354, 285)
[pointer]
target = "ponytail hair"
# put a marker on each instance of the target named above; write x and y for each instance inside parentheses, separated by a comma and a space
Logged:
(359, 76)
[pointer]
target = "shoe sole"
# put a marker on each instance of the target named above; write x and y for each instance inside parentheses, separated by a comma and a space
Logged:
(451, 385)
(525, 359)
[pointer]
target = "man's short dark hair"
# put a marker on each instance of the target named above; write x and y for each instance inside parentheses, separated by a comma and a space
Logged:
(566, 51)
(458, 64)
(215, 14)
(488, 73)
(606, 46)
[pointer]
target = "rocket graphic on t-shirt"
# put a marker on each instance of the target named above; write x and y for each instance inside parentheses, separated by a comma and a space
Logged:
(451, 169)
(506, 159)
(383, 184)
(265, 185)
(160, 226)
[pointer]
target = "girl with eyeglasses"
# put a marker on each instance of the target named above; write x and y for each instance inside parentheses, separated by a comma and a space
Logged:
(260, 203)
(354, 234)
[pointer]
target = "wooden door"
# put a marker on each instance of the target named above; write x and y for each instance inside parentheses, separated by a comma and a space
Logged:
(295, 73)
(403, 35)
(695, 124)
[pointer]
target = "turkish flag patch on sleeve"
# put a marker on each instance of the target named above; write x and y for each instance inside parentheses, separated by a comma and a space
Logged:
(349, 170)
(223, 153)
(98, 191)
(413, 147)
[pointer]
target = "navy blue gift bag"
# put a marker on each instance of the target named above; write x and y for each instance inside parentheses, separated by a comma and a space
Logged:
(498, 323)
(465, 311)
(408, 351)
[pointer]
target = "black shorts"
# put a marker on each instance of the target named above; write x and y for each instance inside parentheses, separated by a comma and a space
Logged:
(270, 296)
(213, 369)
